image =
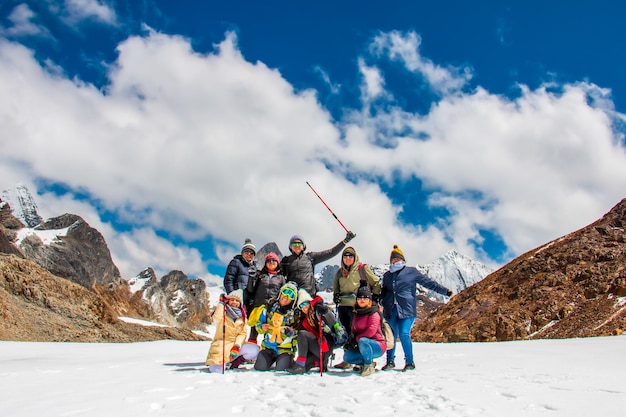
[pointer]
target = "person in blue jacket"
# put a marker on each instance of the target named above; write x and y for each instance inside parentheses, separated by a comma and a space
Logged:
(241, 268)
(399, 301)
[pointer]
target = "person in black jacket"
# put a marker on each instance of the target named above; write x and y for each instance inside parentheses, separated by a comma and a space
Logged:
(265, 286)
(399, 301)
(299, 267)
(319, 332)
(240, 269)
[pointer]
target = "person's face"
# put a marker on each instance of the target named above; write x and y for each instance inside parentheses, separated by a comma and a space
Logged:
(271, 264)
(364, 302)
(233, 302)
(283, 300)
(305, 308)
(248, 255)
(348, 259)
(297, 247)
(286, 296)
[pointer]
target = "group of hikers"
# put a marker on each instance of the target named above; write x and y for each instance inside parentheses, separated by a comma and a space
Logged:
(299, 330)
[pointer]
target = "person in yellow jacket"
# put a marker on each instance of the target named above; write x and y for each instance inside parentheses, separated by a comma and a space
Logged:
(352, 275)
(231, 315)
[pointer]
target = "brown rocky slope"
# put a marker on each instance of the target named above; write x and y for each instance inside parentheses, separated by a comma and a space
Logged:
(574, 286)
(36, 305)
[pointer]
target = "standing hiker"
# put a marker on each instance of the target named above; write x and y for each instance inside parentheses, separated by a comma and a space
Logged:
(319, 333)
(399, 301)
(367, 341)
(241, 268)
(229, 315)
(299, 267)
(276, 321)
(265, 286)
(349, 277)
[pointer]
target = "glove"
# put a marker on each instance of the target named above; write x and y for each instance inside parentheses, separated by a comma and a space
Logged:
(336, 298)
(351, 343)
(375, 298)
(223, 299)
(449, 293)
(340, 334)
(349, 236)
(234, 352)
(289, 331)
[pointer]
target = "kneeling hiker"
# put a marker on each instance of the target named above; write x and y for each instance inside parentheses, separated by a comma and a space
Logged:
(320, 332)
(276, 322)
(230, 320)
(367, 340)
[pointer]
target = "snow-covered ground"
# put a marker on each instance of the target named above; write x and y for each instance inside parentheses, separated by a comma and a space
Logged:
(576, 377)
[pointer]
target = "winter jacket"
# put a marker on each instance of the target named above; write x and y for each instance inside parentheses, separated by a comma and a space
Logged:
(264, 287)
(347, 281)
(238, 273)
(301, 268)
(399, 289)
(286, 342)
(370, 326)
(236, 332)
(333, 331)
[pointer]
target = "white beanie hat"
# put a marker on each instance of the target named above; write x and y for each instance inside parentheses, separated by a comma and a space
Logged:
(248, 245)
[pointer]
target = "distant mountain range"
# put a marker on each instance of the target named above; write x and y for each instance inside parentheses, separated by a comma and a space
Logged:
(59, 283)
(452, 270)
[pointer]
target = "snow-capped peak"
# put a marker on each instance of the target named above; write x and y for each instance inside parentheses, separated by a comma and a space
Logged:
(22, 205)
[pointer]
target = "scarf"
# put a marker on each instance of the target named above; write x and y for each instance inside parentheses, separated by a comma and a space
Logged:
(367, 310)
(232, 312)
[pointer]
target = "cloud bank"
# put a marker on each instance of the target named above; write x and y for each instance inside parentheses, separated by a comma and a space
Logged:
(185, 149)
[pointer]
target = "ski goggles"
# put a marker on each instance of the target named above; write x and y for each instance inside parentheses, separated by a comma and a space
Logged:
(289, 293)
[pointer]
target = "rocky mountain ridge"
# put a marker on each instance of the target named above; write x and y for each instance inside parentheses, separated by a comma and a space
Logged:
(67, 247)
(574, 286)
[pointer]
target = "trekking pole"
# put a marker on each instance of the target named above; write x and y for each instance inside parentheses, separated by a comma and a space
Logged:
(321, 327)
(323, 202)
(224, 339)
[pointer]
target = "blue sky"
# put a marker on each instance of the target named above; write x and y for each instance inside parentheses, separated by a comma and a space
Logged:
(178, 129)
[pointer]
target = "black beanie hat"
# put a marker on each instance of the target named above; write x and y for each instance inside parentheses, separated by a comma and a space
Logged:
(364, 292)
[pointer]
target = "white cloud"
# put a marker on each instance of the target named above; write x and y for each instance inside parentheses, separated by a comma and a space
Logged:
(405, 48)
(211, 144)
(80, 10)
(22, 18)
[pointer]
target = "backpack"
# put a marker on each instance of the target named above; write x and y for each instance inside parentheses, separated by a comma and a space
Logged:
(390, 339)
(385, 328)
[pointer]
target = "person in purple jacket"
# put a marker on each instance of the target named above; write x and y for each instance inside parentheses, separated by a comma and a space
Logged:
(399, 301)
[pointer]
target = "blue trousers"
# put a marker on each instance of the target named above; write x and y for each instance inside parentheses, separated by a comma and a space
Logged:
(368, 350)
(401, 328)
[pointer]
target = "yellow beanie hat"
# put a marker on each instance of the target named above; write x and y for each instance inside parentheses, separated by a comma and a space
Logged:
(396, 253)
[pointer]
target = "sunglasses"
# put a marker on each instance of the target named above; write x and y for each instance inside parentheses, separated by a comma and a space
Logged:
(297, 243)
(348, 255)
(269, 261)
(363, 298)
(289, 293)
(248, 251)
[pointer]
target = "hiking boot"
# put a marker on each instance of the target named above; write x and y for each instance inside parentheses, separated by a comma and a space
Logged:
(238, 361)
(358, 368)
(388, 366)
(368, 370)
(342, 365)
(297, 369)
(408, 367)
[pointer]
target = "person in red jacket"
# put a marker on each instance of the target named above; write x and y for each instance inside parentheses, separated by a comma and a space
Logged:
(368, 341)
(319, 333)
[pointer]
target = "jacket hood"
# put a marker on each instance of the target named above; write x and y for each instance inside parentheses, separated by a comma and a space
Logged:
(357, 261)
